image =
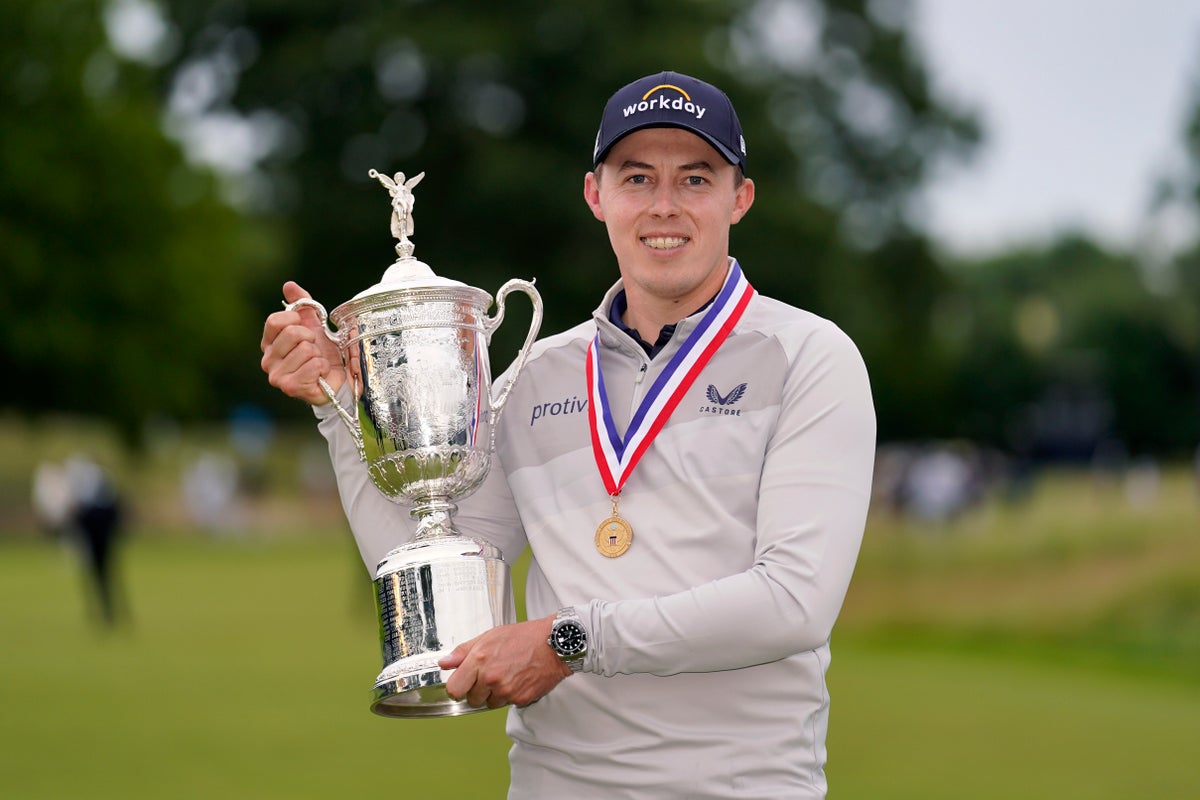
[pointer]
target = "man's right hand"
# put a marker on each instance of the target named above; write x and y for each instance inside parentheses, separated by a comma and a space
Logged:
(296, 351)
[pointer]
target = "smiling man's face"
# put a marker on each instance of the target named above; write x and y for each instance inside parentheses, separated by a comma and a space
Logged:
(668, 199)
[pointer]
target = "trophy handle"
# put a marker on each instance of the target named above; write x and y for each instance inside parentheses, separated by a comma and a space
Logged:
(351, 423)
(490, 324)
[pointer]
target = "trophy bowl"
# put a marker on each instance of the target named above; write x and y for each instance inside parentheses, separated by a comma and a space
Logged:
(415, 350)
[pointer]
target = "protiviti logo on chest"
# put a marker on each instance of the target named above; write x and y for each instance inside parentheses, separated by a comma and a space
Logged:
(681, 101)
(568, 405)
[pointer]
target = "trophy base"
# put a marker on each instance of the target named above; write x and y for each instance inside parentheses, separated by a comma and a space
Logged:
(432, 595)
(418, 694)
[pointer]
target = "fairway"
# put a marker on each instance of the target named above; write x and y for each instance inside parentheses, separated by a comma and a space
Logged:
(247, 669)
(929, 725)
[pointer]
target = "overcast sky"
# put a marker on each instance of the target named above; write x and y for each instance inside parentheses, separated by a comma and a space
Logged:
(1083, 102)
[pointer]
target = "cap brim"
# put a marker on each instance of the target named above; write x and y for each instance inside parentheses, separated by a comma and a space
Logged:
(729, 156)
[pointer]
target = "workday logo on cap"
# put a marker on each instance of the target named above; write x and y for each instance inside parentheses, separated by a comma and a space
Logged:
(661, 97)
(672, 100)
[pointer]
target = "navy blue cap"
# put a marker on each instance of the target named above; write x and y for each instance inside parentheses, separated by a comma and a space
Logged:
(672, 100)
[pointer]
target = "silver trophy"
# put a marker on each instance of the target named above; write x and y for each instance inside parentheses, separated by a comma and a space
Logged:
(415, 350)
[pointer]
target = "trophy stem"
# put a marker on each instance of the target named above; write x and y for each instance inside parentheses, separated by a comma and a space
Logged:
(433, 516)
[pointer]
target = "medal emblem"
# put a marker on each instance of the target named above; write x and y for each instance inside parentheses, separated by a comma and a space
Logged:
(613, 537)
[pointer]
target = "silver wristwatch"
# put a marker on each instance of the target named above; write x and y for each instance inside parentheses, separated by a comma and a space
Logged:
(569, 639)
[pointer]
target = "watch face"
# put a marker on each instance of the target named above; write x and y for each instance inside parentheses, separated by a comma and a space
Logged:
(568, 638)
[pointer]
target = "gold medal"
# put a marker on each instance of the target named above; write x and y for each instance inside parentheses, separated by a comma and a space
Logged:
(614, 535)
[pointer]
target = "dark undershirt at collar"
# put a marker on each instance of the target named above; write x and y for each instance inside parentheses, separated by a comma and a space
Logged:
(620, 305)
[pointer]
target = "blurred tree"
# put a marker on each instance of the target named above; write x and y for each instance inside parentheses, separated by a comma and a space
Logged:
(166, 165)
(1066, 348)
(138, 266)
(1184, 282)
(499, 103)
(122, 278)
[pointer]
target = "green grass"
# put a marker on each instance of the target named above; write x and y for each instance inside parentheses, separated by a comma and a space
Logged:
(1075, 570)
(247, 669)
(1044, 649)
(246, 674)
(931, 724)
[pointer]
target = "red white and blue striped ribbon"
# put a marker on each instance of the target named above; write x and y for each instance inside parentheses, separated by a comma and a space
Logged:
(616, 456)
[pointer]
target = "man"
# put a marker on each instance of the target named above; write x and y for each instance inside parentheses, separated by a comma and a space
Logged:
(691, 470)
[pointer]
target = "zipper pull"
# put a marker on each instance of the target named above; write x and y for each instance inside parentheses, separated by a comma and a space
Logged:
(641, 372)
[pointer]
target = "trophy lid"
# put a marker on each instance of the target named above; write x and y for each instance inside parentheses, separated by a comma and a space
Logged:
(408, 274)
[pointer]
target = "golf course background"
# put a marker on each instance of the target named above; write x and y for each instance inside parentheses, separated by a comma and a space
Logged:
(1047, 647)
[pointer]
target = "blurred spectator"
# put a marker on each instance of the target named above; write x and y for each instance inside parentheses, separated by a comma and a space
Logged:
(251, 432)
(77, 501)
(935, 481)
(52, 498)
(938, 485)
(1197, 468)
(1142, 482)
(210, 492)
(1069, 422)
(1110, 461)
